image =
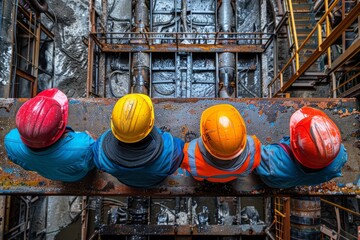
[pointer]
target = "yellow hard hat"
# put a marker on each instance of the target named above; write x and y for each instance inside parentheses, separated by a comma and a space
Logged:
(132, 118)
(223, 131)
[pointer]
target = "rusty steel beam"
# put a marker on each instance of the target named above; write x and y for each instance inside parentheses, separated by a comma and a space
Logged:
(172, 47)
(25, 75)
(89, 80)
(184, 230)
(352, 92)
(334, 35)
(266, 118)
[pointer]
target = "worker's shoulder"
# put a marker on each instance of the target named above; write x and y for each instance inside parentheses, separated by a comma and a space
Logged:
(79, 137)
(12, 135)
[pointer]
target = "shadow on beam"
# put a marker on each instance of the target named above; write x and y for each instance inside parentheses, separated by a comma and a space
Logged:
(266, 118)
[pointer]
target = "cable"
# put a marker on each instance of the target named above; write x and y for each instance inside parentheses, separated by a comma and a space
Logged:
(112, 200)
(162, 205)
(55, 18)
(166, 23)
(110, 84)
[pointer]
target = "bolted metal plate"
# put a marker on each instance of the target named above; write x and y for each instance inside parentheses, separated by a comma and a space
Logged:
(268, 119)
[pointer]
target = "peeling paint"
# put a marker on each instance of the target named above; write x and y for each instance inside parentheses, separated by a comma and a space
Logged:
(183, 116)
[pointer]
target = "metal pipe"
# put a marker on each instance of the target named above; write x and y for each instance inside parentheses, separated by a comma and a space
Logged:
(184, 14)
(226, 16)
(140, 72)
(226, 75)
(226, 59)
(140, 60)
(141, 15)
(183, 17)
(40, 6)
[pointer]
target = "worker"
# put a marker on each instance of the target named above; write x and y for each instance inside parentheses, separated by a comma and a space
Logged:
(313, 153)
(43, 143)
(223, 152)
(136, 152)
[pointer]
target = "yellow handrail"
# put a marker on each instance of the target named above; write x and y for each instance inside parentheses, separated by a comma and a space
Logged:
(341, 207)
(294, 34)
(317, 28)
(279, 213)
(328, 33)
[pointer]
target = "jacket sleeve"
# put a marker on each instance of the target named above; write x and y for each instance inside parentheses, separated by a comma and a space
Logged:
(90, 156)
(177, 155)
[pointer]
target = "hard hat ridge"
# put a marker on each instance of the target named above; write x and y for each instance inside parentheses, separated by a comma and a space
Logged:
(314, 138)
(223, 131)
(132, 118)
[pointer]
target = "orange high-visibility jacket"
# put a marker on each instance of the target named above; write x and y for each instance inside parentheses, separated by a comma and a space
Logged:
(198, 167)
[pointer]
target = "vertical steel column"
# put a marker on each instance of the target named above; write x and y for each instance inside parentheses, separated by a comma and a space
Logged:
(140, 61)
(226, 59)
(2, 216)
(189, 75)
(100, 88)
(36, 53)
(91, 44)
(6, 46)
(84, 217)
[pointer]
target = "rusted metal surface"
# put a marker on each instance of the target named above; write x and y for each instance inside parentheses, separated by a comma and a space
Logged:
(172, 47)
(184, 230)
(266, 118)
(182, 42)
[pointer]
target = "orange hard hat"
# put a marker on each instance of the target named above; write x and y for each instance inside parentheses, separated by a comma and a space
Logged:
(42, 120)
(315, 139)
(223, 131)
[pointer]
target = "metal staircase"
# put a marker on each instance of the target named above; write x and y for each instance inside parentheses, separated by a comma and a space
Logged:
(311, 39)
(304, 22)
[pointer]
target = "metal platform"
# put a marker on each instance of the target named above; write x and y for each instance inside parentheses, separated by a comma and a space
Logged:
(266, 118)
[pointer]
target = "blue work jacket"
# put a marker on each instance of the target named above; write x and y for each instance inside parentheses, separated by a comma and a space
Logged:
(68, 160)
(148, 175)
(278, 170)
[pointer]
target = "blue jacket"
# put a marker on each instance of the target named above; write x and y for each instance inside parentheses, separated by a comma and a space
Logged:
(148, 175)
(68, 160)
(278, 170)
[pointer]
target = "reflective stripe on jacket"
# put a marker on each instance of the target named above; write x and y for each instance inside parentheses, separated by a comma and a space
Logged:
(198, 167)
(279, 170)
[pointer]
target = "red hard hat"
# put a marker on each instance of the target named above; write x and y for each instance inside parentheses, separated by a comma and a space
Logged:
(315, 139)
(42, 120)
